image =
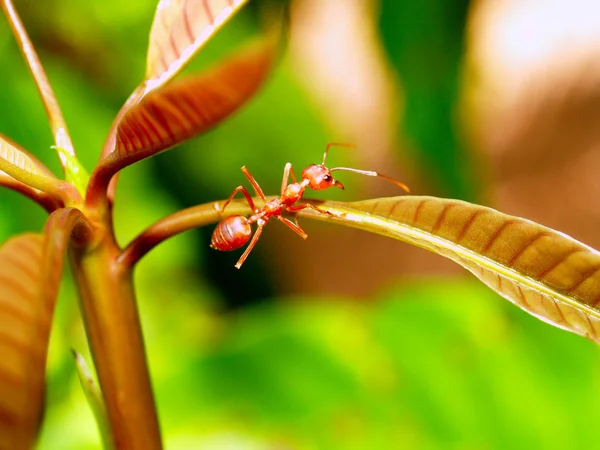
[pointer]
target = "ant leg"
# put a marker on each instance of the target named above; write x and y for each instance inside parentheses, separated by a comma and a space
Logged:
(250, 247)
(293, 226)
(289, 170)
(254, 184)
(309, 206)
(243, 190)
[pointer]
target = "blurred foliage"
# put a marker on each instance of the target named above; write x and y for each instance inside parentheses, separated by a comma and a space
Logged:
(424, 41)
(431, 364)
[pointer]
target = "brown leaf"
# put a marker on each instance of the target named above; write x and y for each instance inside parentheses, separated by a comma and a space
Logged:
(544, 272)
(180, 29)
(31, 268)
(183, 109)
(531, 107)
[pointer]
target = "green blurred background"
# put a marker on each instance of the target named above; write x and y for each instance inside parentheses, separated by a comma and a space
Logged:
(316, 345)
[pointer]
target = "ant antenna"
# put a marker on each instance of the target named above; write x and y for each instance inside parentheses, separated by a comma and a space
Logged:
(370, 173)
(336, 144)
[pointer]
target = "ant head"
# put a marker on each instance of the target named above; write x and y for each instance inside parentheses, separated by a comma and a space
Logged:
(320, 177)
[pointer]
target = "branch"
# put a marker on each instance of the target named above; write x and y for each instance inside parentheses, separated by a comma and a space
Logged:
(184, 220)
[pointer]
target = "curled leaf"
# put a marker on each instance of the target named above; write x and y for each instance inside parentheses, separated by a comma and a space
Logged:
(11, 147)
(22, 345)
(26, 169)
(30, 273)
(544, 272)
(185, 108)
(18, 164)
(180, 29)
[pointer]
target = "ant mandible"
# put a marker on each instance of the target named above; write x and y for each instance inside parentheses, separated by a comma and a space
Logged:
(234, 232)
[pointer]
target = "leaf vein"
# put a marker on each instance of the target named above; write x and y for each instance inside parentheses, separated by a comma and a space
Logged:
(527, 244)
(468, 224)
(557, 263)
(497, 234)
(418, 211)
(441, 218)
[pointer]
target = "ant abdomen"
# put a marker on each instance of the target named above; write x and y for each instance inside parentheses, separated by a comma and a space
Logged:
(231, 233)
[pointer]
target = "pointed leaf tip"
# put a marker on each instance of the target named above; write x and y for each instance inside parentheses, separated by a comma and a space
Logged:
(179, 30)
(94, 398)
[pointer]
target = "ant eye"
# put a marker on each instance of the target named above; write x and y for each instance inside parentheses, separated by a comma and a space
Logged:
(327, 177)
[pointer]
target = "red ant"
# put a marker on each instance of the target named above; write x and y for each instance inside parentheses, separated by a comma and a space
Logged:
(234, 231)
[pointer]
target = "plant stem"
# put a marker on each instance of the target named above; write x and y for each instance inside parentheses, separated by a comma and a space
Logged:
(113, 328)
(184, 220)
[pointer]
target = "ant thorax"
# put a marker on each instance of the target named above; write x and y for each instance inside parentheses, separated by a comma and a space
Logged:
(273, 208)
(293, 192)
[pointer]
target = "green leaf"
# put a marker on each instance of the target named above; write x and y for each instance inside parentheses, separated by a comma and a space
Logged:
(31, 269)
(544, 272)
(424, 42)
(94, 398)
(19, 164)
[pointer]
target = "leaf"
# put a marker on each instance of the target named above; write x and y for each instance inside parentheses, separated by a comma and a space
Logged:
(23, 167)
(46, 201)
(17, 149)
(94, 398)
(16, 162)
(544, 272)
(179, 30)
(429, 94)
(31, 268)
(181, 110)
(21, 341)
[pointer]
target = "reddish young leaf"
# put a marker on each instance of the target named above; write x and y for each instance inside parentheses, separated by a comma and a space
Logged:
(181, 110)
(186, 108)
(30, 272)
(180, 29)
